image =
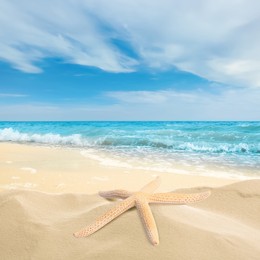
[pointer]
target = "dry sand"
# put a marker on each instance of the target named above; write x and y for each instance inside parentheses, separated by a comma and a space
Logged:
(36, 223)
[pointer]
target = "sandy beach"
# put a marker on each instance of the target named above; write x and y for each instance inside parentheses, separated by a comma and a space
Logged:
(47, 193)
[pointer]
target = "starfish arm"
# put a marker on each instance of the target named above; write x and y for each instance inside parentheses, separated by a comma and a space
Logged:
(120, 194)
(148, 221)
(152, 186)
(178, 198)
(106, 218)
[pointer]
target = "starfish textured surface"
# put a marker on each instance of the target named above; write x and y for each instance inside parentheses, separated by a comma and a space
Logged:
(141, 200)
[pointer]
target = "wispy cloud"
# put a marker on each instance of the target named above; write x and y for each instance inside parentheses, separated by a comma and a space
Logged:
(218, 40)
(229, 104)
(31, 32)
(12, 95)
(150, 105)
(150, 97)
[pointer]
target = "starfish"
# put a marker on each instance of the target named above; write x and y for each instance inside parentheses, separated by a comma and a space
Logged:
(141, 200)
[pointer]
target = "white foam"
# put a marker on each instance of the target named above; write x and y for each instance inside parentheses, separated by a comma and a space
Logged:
(103, 160)
(9, 162)
(9, 134)
(27, 185)
(97, 178)
(29, 169)
(61, 185)
(162, 166)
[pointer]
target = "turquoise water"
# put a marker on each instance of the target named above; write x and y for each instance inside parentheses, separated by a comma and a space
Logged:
(232, 146)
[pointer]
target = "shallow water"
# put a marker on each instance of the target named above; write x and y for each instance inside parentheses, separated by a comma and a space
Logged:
(207, 148)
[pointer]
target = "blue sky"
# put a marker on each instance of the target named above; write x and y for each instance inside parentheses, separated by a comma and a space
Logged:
(129, 60)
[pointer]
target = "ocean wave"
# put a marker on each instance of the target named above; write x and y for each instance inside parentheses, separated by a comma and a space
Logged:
(9, 134)
(130, 142)
(221, 148)
(184, 145)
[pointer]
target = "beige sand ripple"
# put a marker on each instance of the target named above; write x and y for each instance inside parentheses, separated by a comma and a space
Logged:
(37, 225)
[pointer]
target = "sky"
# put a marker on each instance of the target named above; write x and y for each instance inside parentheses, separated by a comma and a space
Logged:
(129, 60)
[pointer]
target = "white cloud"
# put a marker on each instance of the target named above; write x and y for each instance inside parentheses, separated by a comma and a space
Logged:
(218, 40)
(138, 96)
(12, 95)
(31, 31)
(241, 104)
(206, 38)
(150, 97)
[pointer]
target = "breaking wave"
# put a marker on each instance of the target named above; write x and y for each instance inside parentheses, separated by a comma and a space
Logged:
(11, 135)
(121, 141)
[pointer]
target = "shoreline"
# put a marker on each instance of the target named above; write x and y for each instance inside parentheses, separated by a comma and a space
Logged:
(54, 194)
(60, 169)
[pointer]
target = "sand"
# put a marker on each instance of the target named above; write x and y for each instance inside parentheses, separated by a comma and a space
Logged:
(38, 219)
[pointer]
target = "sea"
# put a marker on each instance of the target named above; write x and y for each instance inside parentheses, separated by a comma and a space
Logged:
(219, 149)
